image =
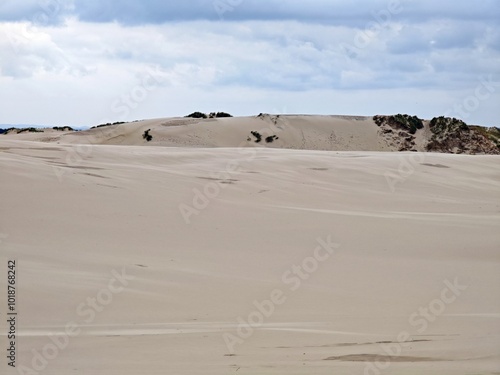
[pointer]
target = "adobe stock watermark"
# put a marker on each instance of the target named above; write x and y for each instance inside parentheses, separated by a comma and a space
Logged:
(121, 107)
(220, 180)
(224, 6)
(293, 278)
(49, 10)
(484, 90)
(406, 168)
(420, 320)
(87, 312)
(381, 20)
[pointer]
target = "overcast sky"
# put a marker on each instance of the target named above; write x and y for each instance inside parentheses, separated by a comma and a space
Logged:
(85, 62)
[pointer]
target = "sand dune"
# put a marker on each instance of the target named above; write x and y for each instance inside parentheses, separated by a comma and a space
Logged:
(342, 261)
(312, 132)
(294, 132)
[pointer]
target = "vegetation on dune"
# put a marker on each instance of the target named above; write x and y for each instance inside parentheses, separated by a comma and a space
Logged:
(257, 135)
(148, 137)
(108, 124)
(197, 115)
(211, 115)
(453, 135)
(405, 122)
(448, 135)
(411, 123)
(24, 130)
(219, 115)
(440, 124)
(34, 130)
(271, 138)
(493, 133)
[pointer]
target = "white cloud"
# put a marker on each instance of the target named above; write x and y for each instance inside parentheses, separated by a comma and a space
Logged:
(74, 72)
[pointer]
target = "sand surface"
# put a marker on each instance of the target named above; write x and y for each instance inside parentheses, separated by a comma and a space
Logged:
(351, 246)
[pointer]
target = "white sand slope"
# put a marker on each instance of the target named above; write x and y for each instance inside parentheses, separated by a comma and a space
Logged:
(175, 247)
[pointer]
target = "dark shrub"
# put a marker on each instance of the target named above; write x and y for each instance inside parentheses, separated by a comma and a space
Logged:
(440, 124)
(257, 135)
(108, 124)
(29, 130)
(404, 122)
(197, 115)
(410, 123)
(493, 133)
(5, 131)
(379, 120)
(147, 136)
(222, 114)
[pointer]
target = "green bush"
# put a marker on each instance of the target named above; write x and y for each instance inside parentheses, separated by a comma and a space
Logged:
(409, 123)
(441, 124)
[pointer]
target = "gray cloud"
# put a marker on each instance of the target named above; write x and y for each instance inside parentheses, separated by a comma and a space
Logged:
(38, 12)
(334, 12)
(273, 52)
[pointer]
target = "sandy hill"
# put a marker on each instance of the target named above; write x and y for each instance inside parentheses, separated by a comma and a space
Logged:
(332, 133)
